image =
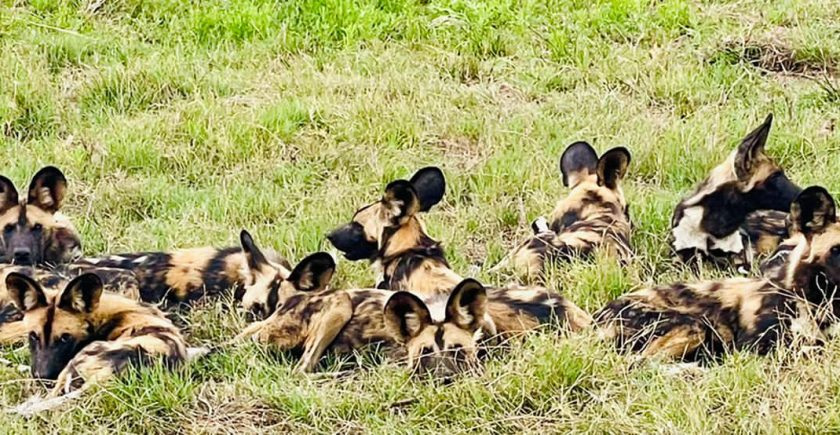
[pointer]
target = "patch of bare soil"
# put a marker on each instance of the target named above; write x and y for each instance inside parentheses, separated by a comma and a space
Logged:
(774, 53)
(466, 153)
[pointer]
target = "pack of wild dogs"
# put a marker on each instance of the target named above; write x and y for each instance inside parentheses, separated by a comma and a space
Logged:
(87, 319)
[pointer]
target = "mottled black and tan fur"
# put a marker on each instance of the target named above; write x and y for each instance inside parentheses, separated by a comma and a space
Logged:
(390, 234)
(181, 276)
(593, 216)
(314, 320)
(83, 336)
(729, 216)
(704, 320)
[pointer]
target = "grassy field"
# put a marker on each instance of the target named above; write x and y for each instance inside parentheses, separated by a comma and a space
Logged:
(178, 123)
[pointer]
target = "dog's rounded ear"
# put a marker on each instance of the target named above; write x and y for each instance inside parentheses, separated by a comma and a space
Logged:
(467, 305)
(401, 199)
(8, 194)
(751, 149)
(812, 211)
(578, 161)
(612, 167)
(25, 293)
(430, 185)
(82, 294)
(406, 316)
(47, 189)
(254, 256)
(313, 273)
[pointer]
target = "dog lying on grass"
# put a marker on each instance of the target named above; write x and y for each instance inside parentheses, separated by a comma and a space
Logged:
(390, 234)
(82, 336)
(441, 341)
(702, 321)
(593, 216)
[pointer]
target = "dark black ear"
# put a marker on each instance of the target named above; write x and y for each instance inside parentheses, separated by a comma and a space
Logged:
(612, 166)
(82, 294)
(401, 198)
(25, 293)
(467, 305)
(577, 162)
(430, 186)
(8, 194)
(812, 211)
(406, 316)
(46, 191)
(256, 259)
(751, 148)
(313, 273)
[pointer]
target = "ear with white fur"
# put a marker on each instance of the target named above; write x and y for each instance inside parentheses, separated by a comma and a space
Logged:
(82, 294)
(313, 273)
(467, 305)
(47, 189)
(406, 316)
(25, 293)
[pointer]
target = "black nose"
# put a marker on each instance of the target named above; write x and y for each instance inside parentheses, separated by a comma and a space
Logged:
(23, 256)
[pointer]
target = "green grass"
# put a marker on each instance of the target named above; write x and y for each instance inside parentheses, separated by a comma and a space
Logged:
(178, 123)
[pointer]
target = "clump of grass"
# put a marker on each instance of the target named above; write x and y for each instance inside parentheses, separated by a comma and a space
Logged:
(180, 123)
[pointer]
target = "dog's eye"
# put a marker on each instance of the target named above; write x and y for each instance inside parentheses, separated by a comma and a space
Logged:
(9, 228)
(428, 350)
(33, 337)
(835, 251)
(65, 338)
(37, 227)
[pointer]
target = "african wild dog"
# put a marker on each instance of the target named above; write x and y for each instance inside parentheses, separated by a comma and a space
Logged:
(34, 231)
(440, 342)
(390, 234)
(182, 276)
(81, 336)
(715, 222)
(594, 216)
(116, 281)
(705, 320)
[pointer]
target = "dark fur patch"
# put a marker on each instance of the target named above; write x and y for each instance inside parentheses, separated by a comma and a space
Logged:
(215, 274)
(565, 221)
(408, 262)
(545, 309)
(10, 313)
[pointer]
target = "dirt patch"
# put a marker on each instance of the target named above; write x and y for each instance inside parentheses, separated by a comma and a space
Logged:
(465, 152)
(774, 53)
(221, 409)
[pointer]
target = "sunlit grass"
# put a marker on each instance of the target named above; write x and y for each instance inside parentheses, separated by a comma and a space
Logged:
(179, 123)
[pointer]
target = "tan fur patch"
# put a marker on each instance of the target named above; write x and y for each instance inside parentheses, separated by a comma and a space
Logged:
(187, 268)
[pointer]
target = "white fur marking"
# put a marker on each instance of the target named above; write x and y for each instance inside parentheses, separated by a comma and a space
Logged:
(37, 404)
(194, 353)
(541, 225)
(689, 234)
(30, 300)
(45, 198)
(730, 243)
